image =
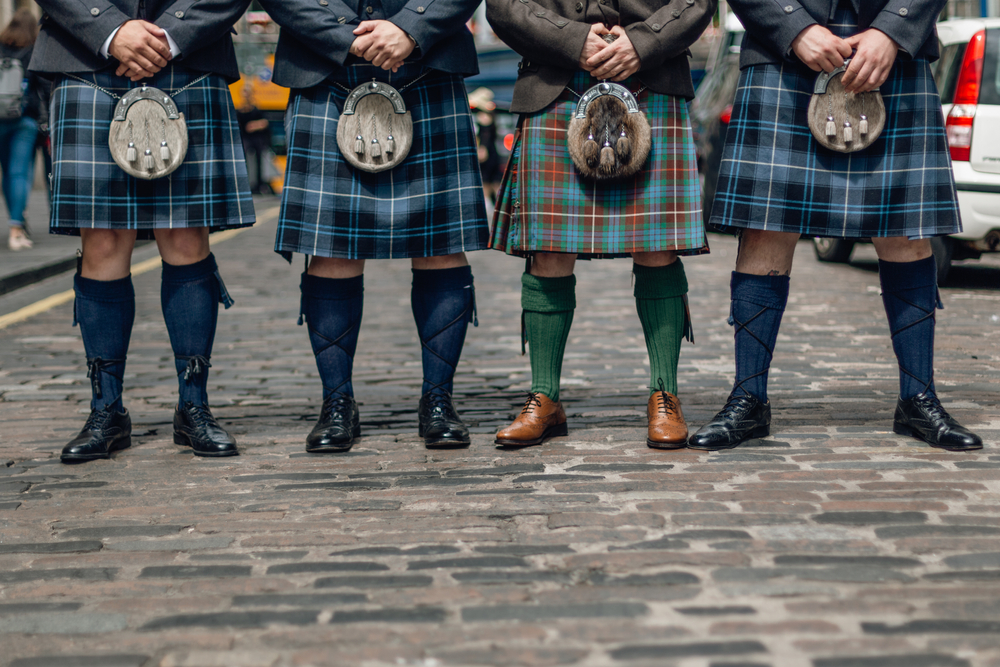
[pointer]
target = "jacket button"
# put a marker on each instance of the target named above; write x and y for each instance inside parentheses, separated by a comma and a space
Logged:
(95, 11)
(370, 9)
(420, 10)
(341, 19)
(560, 23)
(579, 6)
(789, 9)
(690, 2)
(179, 15)
(324, 3)
(655, 26)
(903, 11)
(676, 13)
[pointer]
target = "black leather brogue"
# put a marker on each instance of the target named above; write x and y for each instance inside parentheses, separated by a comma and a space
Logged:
(339, 424)
(196, 427)
(744, 417)
(438, 423)
(106, 431)
(923, 417)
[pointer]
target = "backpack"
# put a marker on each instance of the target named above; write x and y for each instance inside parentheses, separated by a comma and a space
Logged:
(11, 88)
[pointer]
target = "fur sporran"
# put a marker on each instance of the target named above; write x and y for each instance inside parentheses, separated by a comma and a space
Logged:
(843, 121)
(148, 138)
(609, 138)
(375, 131)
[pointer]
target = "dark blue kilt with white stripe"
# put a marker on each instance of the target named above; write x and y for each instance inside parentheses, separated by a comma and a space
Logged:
(432, 204)
(775, 176)
(89, 191)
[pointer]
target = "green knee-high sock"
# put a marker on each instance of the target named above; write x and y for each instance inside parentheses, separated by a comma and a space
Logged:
(659, 298)
(548, 305)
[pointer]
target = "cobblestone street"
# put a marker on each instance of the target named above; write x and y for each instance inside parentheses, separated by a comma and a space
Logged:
(832, 543)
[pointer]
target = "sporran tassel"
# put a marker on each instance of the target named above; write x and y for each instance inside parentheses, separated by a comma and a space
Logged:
(863, 125)
(359, 145)
(591, 151)
(608, 160)
(165, 152)
(148, 163)
(623, 148)
(831, 127)
(376, 149)
(132, 155)
(390, 144)
(848, 133)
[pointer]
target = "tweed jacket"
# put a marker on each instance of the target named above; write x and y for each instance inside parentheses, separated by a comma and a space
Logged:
(73, 32)
(909, 22)
(316, 37)
(550, 35)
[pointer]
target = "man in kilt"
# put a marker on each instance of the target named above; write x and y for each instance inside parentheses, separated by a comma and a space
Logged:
(428, 208)
(551, 213)
(777, 183)
(96, 51)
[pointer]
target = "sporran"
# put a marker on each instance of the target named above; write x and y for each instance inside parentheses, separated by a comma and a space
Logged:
(608, 138)
(842, 121)
(375, 130)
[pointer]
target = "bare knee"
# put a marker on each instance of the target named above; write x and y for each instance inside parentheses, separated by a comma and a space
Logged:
(655, 259)
(182, 246)
(443, 262)
(336, 267)
(902, 249)
(107, 253)
(552, 265)
(764, 253)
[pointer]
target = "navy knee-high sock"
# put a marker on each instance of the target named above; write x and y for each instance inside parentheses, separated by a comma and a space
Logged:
(758, 302)
(105, 311)
(332, 309)
(444, 303)
(910, 296)
(190, 295)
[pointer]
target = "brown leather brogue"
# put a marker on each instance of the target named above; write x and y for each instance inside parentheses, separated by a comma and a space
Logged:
(667, 428)
(540, 418)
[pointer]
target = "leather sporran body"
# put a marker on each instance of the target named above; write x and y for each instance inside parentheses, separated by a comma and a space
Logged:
(375, 131)
(148, 138)
(843, 121)
(609, 138)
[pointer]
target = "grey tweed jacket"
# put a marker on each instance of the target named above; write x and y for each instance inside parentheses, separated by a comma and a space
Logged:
(73, 32)
(772, 25)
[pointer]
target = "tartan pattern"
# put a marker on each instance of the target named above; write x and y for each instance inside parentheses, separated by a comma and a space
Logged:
(775, 176)
(89, 191)
(430, 205)
(555, 210)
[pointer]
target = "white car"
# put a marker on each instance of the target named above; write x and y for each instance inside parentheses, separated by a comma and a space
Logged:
(968, 78)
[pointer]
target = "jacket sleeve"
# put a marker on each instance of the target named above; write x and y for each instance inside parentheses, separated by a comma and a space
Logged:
(670, 30)
(909, 22)
(774, 22)
(537, 33)
(194, 24)
(90, 21)
(428, 21)
(325, 28)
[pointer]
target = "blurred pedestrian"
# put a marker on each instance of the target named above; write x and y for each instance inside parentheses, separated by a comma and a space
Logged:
(255, 130)
(20, 110)
(490, 163)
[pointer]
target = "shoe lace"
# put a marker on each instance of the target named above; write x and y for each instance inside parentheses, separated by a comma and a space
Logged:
(98, 419)
(666, 403)
(334, 404)
(533, 402)
(931, 405)
(200, 415)
(438, 402)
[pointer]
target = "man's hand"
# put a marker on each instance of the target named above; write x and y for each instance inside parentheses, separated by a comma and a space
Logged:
(595, 42)
(820, 49)
(382, 43)
(141, 48)
(875, 55)
(616, 61)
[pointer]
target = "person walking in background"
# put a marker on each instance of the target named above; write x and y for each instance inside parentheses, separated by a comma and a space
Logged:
(21, 109)
(549, 211)
(256, 133)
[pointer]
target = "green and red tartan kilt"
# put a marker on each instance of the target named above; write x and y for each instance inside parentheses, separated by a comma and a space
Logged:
(544, 205)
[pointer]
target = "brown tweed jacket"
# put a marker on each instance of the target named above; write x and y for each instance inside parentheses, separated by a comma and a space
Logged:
(550, 34)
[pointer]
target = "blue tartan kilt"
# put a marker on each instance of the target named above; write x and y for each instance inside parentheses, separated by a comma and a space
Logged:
(430, 205)
(89, 191)
(775, 176)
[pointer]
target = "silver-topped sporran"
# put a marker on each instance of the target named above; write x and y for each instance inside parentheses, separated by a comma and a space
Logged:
(149, 138)
(609, 137)
(842, 121)
(375, 131)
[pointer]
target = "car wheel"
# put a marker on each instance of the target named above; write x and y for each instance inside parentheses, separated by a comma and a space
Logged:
(833, 250)
(943, 248)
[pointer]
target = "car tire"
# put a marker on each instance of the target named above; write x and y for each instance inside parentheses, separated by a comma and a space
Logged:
(833, 250)
(943, 248)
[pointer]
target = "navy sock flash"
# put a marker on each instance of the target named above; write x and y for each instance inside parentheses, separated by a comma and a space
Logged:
(758, 302)
(910, 296)
(444, 303)
(105, 311)
(190, 295)
(332, 309)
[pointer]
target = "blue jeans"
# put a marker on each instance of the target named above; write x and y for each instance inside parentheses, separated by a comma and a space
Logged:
(17, 160)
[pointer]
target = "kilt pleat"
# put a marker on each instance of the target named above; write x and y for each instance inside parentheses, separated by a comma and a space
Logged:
(89, 191)
(775, 176)
(544, 205)
(430, 205)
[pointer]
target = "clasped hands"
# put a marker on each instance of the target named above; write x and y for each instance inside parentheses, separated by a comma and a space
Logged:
(382, 43)
(141, 49)
(616, 61)
(872, 54)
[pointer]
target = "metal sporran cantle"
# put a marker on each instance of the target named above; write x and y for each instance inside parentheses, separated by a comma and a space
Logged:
(149, 138)
(375, 131)
(609, 138)
(843, 121)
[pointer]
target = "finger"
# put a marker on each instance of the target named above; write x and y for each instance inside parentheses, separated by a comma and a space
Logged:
(845, 49)
(152, 56)
(153, 29)
(852, 71)
(365, 26)
(861, 77)
(602, 55)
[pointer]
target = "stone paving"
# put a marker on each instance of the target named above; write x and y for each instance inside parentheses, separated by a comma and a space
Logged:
(833, 543)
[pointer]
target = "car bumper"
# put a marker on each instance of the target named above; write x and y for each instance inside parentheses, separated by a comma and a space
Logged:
(978, 201)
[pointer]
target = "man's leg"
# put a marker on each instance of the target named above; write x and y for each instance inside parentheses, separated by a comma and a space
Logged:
(443, 300)
(908, 275)
(190, 292)
(105, 310)
(548, 299)
(759, 292)
(332, 305)
(660, 298)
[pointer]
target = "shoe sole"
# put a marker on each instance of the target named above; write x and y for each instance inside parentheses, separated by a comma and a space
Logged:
(116, 446)
(550, 432)
(903, 429)
(659, 444)
(336, 449)
(447, 444)
(184, 441)
(758, 432)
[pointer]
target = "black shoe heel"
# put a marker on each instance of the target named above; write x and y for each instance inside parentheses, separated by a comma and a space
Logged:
(761, 432)
(903, 429)
(557, 430)
(181, 440)
(124, 443)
